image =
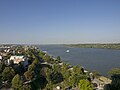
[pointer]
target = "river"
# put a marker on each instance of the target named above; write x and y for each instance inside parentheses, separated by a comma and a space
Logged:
(101, 60)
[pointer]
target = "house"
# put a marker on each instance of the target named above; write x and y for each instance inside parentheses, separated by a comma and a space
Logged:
(100, 82)
(18, 59)
(0, 57)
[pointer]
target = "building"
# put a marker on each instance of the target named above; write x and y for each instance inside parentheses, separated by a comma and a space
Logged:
(0, 57)
(18, 59)
(101, 82)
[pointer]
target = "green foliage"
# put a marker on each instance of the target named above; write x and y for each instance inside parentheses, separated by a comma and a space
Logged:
(46, 58)
(107, 87)
(56, 67)
(1, 65)
(96, 74)
(35, 62)
(78, 70)
(31, 67)
(64, 71)
(29, 75)
(8, 73)
(115, 85)
(35, 67)
(115, 77)
(58, 59)
(27, 87)
(56, 77)
(19, 69)
(85, 85)
(114, 71)
(49, 86)
(41, 54)
(104, 46)
(17, 82)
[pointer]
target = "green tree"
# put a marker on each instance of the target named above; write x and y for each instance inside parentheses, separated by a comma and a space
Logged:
(96, 74)
(48, 78)
(115, 84)
(64, 70)
(56, 67)
(35, 62)
(56, 77)
(31, 67)
(114, 71)
(84, 84)
(29, 75)
(8, 73)
(17, 82)
(41, 54)
(1, 65)
(58, 59)
(27, 87)
(46, 58)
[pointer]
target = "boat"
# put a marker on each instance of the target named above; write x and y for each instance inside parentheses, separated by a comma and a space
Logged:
(67, 51)
(45, 51)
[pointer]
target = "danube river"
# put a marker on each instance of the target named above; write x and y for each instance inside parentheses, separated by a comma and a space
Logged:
(101, 60)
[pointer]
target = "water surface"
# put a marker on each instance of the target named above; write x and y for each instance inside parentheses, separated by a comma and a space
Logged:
(101, 60)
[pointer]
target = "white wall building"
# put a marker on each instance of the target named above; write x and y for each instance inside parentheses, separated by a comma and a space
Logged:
(18, 59)
(0, 57)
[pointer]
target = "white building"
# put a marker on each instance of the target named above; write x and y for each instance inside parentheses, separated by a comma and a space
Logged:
(0, 57)
(18, 59)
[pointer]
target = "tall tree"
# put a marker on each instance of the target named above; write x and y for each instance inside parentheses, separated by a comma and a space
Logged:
(29, 75)
(17, 82)
(84, 84)
(8, 73)
(46, 58)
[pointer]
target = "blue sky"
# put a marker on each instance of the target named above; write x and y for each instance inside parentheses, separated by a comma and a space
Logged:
(59, 21)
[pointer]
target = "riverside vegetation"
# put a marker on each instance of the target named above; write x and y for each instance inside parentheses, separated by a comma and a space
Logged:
(103, 46)
(44, 72)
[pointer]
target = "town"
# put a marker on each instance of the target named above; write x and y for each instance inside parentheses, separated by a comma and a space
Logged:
(26, 67)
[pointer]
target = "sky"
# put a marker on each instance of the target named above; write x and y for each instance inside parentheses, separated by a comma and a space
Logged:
(59, 21)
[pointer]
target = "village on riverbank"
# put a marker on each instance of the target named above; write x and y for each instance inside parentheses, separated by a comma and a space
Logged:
(25, 67)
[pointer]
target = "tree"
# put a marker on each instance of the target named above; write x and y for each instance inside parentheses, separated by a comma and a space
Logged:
(114, 71)
(29, 75)
(115, 84)
(36, 61)
(58, 59)
(27, 87)
(41, 54)
(56, 67)
(48, 78)
(8, 73)
(64, 71)
(31, 67)
(115, 77)
(1, 66)
(46, 58)
(17, 82)
(56, 77)
(84, 84)
(96, 74)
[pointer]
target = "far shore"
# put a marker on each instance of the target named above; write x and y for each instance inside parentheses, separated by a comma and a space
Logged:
(115, 46)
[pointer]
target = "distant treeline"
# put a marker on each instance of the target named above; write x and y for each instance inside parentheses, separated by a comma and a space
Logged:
(104, 46)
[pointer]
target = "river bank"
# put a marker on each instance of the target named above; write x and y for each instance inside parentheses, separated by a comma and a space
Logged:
(115, 46)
